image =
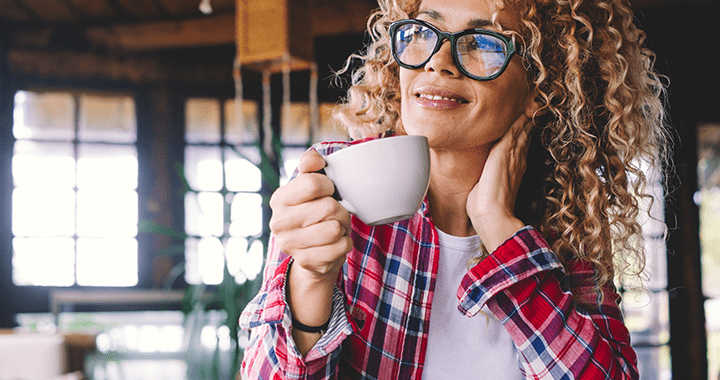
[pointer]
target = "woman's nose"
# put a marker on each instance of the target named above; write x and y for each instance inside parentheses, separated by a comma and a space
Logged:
(442, 62)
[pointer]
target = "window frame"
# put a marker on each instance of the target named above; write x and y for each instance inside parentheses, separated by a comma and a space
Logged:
(16, 299)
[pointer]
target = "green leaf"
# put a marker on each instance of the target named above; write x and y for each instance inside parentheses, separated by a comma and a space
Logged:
(155, 228)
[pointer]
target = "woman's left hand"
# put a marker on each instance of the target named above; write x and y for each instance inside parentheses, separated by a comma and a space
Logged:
(491, 203)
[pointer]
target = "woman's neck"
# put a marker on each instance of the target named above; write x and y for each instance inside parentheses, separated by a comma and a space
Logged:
(454, 174)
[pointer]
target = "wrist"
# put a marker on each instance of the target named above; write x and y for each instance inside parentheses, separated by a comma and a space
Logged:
(309, 297)
(494, 231)
(311, 329)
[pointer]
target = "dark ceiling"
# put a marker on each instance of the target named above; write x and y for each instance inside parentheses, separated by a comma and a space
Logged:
(104, 11)
(95, 12)
(147, 25)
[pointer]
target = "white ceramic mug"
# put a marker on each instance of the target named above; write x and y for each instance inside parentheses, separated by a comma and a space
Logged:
(381, 181)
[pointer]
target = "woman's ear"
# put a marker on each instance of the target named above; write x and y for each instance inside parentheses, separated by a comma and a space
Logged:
(535, 105)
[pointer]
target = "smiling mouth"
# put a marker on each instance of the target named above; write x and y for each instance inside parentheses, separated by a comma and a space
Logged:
(440, 97)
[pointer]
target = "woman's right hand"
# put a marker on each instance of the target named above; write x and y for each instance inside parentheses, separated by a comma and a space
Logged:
(313, 228)
(308, 223)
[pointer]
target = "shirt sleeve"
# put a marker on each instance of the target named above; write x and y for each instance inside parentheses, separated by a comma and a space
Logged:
(524, 284)
(271, 352)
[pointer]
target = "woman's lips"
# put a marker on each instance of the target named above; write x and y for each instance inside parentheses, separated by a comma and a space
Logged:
(439, 99)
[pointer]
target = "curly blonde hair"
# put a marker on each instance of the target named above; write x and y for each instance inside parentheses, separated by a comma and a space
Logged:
(604, 116)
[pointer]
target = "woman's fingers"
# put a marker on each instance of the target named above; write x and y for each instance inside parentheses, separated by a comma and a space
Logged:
(325, 233)
(303, 188)
(309, 213)
(310, 161)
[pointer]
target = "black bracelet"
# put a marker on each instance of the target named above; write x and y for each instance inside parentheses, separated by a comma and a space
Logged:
(310, 329)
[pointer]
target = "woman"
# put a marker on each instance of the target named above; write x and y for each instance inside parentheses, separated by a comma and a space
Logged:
(537, 113)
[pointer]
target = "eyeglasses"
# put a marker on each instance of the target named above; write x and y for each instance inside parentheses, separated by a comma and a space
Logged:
(479, 54)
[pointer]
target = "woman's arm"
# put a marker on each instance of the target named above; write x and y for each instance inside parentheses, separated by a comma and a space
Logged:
(272, 352)
(524, 285)
(310, 239)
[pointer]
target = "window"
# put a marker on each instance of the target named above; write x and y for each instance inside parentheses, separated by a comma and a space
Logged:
(74, 200)
(708, 199)
(224, 207)
(646, 311)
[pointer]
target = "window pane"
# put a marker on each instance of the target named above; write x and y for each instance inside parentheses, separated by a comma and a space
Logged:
(712, 319)
(204, 261)
(658, 359)
(656, 267)
(203, 168)
(43, 165)
(43, 213)
(244, 262)
(107, 118)
(44, 116)
(250, 132)
(107, 262)
(107, 166)
(107, 213)
(192, 269)
(241, 174)
(202, 121)
(44, 261)
(246, 214)
(647, 313)
(204, 214)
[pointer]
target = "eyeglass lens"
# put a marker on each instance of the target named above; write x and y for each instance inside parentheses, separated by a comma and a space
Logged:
(481, 55)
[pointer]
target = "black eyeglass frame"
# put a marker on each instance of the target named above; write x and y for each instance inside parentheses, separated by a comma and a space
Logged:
(452, 37)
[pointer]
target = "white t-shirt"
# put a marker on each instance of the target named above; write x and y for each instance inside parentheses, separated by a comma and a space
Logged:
(460, 347)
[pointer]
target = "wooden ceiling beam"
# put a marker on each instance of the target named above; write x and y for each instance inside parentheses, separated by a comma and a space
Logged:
(164, 12)
(20, 4)
(210, 30)
(74, 10)
(119, 9)
(332, 17)
(97, 68)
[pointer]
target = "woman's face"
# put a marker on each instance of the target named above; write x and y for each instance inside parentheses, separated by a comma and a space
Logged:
(469, 114)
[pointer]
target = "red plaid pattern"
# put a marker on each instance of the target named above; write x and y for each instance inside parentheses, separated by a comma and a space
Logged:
(381, 310)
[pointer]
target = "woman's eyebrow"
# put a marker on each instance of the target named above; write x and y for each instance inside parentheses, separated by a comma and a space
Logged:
(473, 23)
(479, 23)
(435, 15)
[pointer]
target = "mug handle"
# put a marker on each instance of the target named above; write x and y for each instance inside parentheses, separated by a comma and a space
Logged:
(338, 198)
(348, 206)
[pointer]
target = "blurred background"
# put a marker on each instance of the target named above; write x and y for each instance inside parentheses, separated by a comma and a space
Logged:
(140, 141)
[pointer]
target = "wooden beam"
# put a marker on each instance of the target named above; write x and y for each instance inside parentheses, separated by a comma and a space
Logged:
(332, 17)
(205, 31)
(20, 4)
(118, 9)
(139, 69)
(74, 10)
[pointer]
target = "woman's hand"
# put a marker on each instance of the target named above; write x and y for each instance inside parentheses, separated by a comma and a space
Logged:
(491, 203)
(313, 228)
(308, 223)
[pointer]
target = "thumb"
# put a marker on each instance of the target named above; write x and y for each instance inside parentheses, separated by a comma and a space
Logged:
(310, 161)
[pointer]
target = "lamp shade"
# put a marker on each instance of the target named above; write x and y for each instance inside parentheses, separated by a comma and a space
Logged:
(272, 34)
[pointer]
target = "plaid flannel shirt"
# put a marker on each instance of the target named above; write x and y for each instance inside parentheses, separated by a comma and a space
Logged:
(382, 303)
